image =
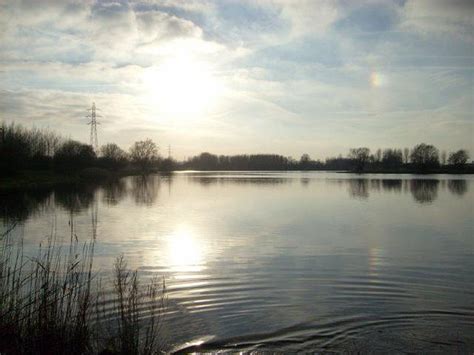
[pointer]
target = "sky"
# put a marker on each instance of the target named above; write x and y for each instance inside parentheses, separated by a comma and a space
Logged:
(228, 77)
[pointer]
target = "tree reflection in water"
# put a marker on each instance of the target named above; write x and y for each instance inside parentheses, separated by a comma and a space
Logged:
(75, 199)
(114, 192)
(18, 206)
(424, 191)
(457, 187)
(359, 188)
(145, 189)
(394, 185)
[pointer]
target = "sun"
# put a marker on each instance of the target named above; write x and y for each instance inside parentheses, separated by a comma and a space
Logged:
(182, 86)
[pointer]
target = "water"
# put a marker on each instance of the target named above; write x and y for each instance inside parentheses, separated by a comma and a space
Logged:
(288, 261)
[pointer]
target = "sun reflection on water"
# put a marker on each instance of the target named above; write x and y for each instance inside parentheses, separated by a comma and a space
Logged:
(376, 261)
(184, 252)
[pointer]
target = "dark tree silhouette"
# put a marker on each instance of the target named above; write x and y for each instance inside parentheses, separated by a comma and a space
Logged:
(360, 157)
(305, 162)
(112, 156)
(112, 151)
(22, 148)
(167, 165)
(459, 158)
(425, 157)
(144, 154)
(392, 158)
(74, 155)
(207, 161)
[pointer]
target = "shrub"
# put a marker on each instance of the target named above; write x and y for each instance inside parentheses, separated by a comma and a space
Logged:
(74, 155)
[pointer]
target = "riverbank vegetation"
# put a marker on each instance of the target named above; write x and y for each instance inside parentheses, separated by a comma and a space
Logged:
(34, 156)
(52, 303)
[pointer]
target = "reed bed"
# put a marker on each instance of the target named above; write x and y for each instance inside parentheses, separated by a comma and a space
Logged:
(52, 303)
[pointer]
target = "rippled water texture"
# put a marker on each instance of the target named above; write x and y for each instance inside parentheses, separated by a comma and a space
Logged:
(287, 261)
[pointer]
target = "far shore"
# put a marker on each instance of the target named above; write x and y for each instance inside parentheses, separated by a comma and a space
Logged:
(32, 179)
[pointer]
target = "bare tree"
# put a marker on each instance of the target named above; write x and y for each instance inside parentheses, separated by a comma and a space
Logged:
(144, 153)
(113, 156)
(392, 158)
(360, 156)
(112, 151)
(425, 156)
(458, 158)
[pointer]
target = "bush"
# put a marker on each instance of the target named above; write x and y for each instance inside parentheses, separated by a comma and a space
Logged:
(112, 157)
(74, 155)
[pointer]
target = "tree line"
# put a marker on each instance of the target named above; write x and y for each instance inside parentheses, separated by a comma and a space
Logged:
(36, 149)
(39, 149)
(421, 158)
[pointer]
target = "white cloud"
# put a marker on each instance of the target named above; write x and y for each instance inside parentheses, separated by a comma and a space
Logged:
(310, 89)
(309, 16)
(438, 16)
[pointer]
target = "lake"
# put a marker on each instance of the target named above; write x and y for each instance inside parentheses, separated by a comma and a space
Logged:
(291, 261)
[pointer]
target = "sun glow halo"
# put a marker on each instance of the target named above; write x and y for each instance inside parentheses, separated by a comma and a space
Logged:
(182, 86)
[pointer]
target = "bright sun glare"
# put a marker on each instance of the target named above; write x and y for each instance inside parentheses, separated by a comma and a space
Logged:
(182, 86)
(183, 251)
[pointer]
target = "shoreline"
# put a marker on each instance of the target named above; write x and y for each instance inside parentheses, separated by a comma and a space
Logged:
(32, 179)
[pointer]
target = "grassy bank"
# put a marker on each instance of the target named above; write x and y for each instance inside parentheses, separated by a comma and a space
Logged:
(52, 303)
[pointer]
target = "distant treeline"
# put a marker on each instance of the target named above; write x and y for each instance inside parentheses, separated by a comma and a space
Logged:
(34, 149)
(422, 158)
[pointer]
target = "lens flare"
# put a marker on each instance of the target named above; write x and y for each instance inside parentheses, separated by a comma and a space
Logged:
(377, 79)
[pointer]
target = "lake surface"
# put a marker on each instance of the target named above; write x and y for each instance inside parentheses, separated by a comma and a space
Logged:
(283, 261)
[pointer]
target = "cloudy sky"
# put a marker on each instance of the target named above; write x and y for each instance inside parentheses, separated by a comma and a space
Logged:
(269, 76)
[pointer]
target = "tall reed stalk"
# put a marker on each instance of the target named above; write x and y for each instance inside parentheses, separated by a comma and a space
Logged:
(50, 303)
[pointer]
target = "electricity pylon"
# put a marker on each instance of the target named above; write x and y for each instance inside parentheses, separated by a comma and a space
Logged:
(93, 123)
